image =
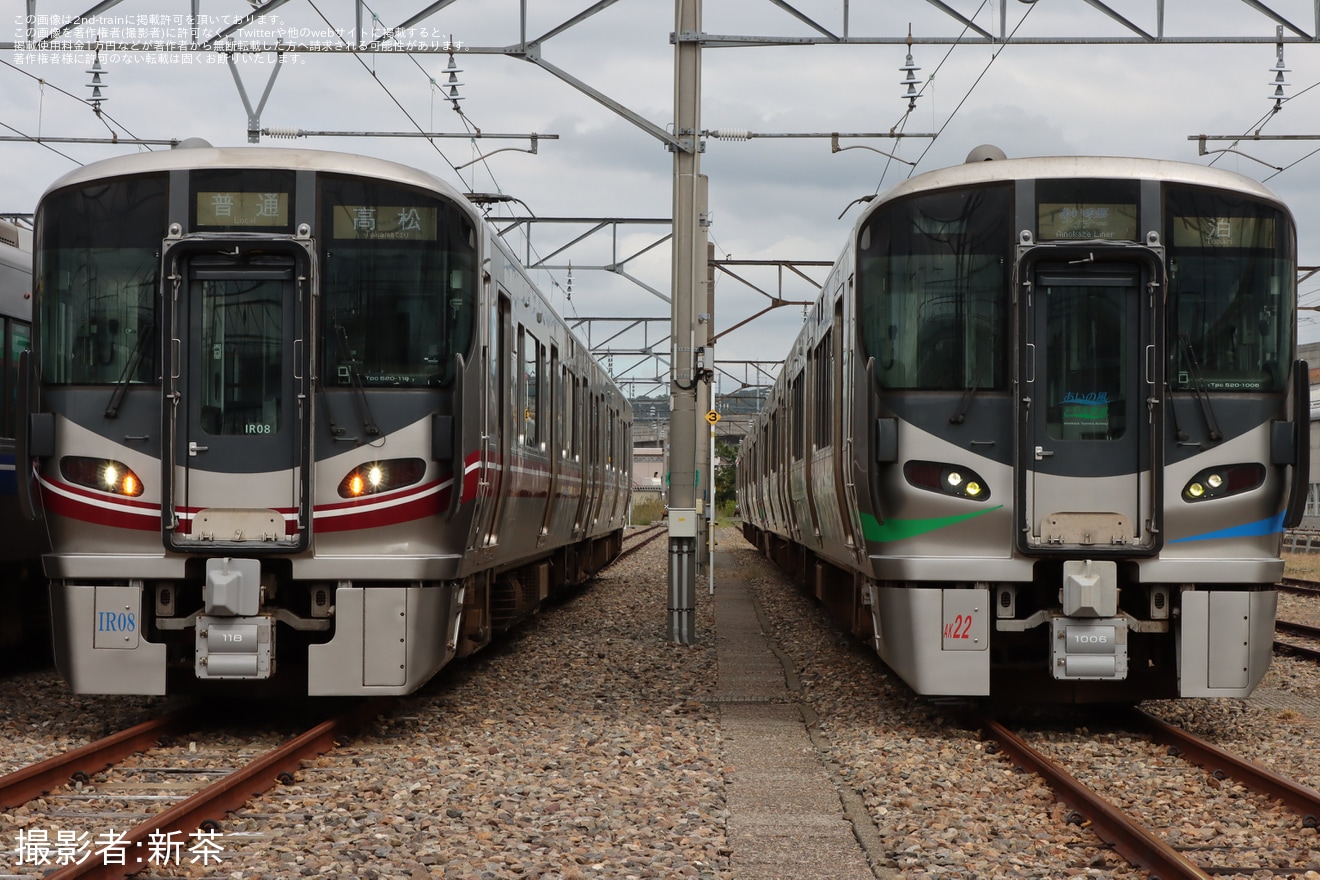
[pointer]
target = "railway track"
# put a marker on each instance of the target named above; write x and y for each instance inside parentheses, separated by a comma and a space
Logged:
(109, 780)
(1128, 817)
(1300, 630)
(639, 539)
(1300, 586)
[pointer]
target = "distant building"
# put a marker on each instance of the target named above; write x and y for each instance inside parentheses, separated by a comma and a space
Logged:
(648, 471)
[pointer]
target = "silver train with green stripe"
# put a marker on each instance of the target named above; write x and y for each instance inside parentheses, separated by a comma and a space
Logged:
(1041, 434)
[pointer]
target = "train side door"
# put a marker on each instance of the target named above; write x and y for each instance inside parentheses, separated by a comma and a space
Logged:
(1086, 482)
(240, 427)
(499, 423)
(552, 413)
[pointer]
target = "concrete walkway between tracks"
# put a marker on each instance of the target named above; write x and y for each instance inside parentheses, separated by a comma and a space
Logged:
(787, 818)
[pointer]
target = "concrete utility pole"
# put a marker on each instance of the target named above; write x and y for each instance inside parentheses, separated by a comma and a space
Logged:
(689, 274)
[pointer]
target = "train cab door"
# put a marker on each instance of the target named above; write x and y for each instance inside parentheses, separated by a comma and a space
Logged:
(1088, 375)
(240, 430)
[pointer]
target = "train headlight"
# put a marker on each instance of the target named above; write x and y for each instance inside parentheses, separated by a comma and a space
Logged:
(105, 475)
(381, 476)
(958, 482)
(1221, 482)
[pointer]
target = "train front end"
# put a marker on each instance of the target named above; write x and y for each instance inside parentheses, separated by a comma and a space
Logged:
(1087, 429)
(245, 405)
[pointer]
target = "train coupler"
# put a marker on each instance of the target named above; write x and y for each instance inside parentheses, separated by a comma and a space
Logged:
(1089, 649)
(233, 640)
(235, 647)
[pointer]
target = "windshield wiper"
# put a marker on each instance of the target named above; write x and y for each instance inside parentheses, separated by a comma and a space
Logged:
(355, 381)
(1198, 386)
(121, 386)
(961, 415)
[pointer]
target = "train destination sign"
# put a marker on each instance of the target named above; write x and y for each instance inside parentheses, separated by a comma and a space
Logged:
(385, 222)
(230, 208)
(1223, 232)
(1074, 221)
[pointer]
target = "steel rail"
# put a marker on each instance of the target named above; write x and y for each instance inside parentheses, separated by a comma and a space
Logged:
(1132, 841)
(1297, 629)
(1298, 798)
(1300, 586)
(647, 535)
(34, 780)
(1310, 654)
(226, 794)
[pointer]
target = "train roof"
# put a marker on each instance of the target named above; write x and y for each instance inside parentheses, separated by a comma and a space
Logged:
(188, 156)
(1046, 167)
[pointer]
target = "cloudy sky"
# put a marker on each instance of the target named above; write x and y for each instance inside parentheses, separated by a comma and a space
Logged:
(770, 197)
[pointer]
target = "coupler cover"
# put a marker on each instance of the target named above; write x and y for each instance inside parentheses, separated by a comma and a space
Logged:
(1093, 649)
(234, 647)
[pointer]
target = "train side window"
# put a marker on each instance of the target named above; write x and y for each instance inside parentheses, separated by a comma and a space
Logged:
(9, 419)
(933, 279)
(1231, 292)
(96, 284)
(19, 336)
(799, 417)
(399, 284)
(531, 350)
(824, 389)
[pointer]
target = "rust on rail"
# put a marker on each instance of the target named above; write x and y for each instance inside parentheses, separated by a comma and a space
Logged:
(1129, 838)
(35, 780)
(1298, 798)
(228, 793)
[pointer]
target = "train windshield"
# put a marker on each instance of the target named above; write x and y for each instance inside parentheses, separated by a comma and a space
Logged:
(1231, 302)
(933, 281)
(398, 284)
(97, 264)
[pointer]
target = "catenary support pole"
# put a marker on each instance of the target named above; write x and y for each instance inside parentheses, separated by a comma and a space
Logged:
(688, 268)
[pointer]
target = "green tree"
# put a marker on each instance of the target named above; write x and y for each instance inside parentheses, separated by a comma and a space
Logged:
(726, 474)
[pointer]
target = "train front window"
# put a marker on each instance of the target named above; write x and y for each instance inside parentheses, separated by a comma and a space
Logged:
(399, 285)
(1088, 358)
(242, 343)
(1231, 301)
(97, 265)
(933, 290)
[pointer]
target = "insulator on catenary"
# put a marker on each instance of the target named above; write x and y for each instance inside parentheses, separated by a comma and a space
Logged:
(731, 134)
(283, 132)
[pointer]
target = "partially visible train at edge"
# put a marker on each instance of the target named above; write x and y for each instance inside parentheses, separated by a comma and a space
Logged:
(1041, 435)
(299, 422)
(24, 619)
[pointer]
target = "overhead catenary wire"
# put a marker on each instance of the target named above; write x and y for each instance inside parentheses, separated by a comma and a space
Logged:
(993, 57)
(901, 125)
(46, 84)
(468, 124)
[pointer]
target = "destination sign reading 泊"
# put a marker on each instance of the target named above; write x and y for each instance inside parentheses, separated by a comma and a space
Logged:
(229, 209)
(1056, 221)
(1225, 232)
(385, 222)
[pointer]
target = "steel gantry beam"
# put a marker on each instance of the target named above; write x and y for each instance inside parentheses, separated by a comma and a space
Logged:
(370, 34)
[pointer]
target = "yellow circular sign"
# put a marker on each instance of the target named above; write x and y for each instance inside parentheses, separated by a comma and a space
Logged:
(712, 417)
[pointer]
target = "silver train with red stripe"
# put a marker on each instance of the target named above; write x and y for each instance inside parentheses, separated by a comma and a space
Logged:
(299, 422)
(1043, 430)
